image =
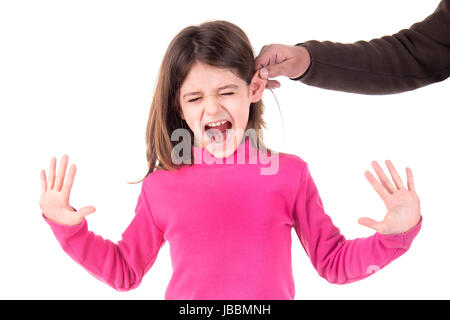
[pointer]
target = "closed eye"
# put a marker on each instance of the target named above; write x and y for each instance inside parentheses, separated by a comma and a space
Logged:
(195, 99)
(223, 94)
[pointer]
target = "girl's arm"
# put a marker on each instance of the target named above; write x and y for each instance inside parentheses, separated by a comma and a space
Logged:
(120, 265)
(343, 261)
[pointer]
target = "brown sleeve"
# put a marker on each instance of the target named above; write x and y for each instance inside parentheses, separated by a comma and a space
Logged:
(407, 60)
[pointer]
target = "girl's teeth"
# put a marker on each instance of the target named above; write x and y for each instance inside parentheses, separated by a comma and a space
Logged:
(215, 124)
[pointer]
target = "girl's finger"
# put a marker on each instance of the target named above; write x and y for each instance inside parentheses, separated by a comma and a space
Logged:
(43, 182)
(370, 223)
(61, 172)
(69, 181)
(395, 176)
(378, 226)
(410, 180)
(378, 187)
(83, 212)
(383, 177)
(51, 173)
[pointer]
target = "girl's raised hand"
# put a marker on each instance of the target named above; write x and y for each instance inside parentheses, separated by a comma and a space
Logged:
(402, 204)
(55, 194)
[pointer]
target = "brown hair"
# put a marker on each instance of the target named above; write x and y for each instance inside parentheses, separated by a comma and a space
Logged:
(217, 43)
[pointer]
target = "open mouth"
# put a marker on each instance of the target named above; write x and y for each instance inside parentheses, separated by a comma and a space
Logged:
(219, 132)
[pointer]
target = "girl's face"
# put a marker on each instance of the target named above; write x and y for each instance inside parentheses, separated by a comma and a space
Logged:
(211, 95)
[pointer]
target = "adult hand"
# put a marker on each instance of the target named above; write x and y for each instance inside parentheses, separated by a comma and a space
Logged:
(402, 204)
(281, 60)
(54, 201)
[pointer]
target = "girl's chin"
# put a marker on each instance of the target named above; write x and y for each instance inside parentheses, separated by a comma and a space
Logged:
(221, 153)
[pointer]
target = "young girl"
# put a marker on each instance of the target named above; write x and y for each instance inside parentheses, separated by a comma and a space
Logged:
(228, 223)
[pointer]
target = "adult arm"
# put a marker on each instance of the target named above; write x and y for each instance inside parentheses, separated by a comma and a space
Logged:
(407, 60)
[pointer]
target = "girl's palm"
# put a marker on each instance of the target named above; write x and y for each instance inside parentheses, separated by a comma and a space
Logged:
(402, 204)
(55, 195)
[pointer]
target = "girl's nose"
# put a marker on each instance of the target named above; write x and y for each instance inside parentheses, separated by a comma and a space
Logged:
(211, 104)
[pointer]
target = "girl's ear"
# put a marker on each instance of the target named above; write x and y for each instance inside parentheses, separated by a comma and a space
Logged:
(257, 87)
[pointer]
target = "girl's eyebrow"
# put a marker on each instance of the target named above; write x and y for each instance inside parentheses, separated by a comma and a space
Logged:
(228, 86)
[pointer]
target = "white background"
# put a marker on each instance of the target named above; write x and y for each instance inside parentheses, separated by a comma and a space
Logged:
(77, 77)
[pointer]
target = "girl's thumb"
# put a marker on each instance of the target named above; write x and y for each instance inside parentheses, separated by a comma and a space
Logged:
(370, 223)
(86, 210)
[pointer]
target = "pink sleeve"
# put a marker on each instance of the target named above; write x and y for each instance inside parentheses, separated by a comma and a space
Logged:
(336, 259)
(120, 265)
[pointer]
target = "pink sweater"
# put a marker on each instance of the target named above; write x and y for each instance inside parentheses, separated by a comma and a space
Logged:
(229, 229)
